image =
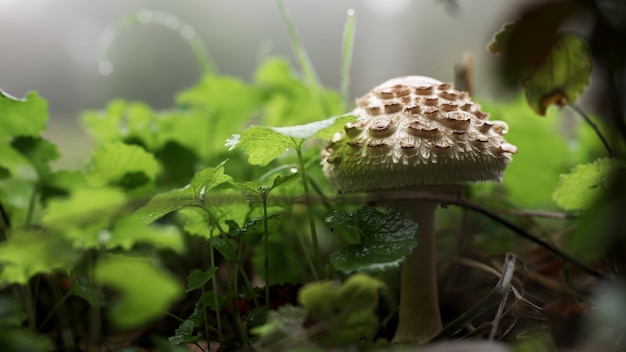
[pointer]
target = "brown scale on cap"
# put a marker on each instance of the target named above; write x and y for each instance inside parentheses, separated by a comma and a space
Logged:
(416, 131)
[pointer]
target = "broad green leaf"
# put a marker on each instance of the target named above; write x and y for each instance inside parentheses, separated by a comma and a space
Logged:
(321, 129)
(15, 163)
(122, 121)
(165, 203)
(184, 332)
(196, 222)
(500, 42)
(214, 301)
(225, 105)
(347, 310)
(130, 230)
(226, 246)
(263, 144)
(543, 153)
(561, 77)
(15, 195)
(222, 94)
(121, 164)
(385, 239)
(146, 291)
(290, 101)
(197, 279)
(281, 180)
(84, 207)
(60, 183)
(587, 183)
(26, 254)
(207, 179)
(40, 152)
(192, 195)
(22, 117)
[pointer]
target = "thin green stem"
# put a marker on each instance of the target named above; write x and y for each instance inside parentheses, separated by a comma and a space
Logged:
(266, 250)
(30, 309)
(595, 128)
(244, 275)
(5, 224)
(301, 54)
(218, 316)
(161, 18)
(346, 57)
(31, 206)
(309, 207)
(310, 77)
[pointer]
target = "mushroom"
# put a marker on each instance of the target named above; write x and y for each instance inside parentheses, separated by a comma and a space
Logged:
(416, 133)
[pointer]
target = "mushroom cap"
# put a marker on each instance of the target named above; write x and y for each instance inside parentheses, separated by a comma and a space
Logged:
(412, 132)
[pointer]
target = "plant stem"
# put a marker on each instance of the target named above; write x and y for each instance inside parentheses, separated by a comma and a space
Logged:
(595, 128)
(419, 318)
(267, 251)
(346, 57)
(309, 207)
(215, 301)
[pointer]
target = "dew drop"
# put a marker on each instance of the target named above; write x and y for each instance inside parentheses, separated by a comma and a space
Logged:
(105, 68)
(351, 12)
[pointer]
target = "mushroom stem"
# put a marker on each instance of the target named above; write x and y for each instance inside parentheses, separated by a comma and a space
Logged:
(419, 318)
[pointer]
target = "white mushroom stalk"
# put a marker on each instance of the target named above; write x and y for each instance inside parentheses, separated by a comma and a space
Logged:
(417, 133)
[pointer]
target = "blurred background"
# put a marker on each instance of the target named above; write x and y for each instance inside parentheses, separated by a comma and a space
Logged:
(53, 47)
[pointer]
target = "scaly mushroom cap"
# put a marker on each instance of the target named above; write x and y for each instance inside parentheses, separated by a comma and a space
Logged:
(416, 131)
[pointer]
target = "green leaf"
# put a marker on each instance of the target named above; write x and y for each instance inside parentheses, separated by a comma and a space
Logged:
(281, 180)
(26, 254)
(385, 239)
(586, 183)
(146, 291)
(226, 246)
(189, 196)
(500, 42)
(321, 129)
(561, 77)
(113, 163)
(263, 144)
(291, 101)
(543, 153)
(39, 151)
(225, 104)
(184, 334)
(15, 163)
(347, 310)
(83, 207)
(197, 279)
(22, 117)
(122, 121)
(130, 230)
